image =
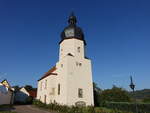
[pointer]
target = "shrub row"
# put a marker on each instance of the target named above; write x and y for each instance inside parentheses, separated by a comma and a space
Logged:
(126, 106)
(74, 109)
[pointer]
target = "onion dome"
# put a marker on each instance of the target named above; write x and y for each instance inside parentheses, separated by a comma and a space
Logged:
(72, 30)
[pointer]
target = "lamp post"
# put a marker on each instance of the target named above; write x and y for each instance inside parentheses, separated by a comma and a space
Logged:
(132, 86)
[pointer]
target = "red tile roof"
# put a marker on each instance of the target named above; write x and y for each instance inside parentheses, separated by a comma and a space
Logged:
(33, 93)
(50, 72)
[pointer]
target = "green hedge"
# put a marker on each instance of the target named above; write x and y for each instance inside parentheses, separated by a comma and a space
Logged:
(125, 106)
(74, 109)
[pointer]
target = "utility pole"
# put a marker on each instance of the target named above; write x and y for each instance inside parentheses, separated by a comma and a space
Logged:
(132, 86)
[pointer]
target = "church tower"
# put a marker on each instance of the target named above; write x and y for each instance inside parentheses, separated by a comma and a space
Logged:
(70, 82)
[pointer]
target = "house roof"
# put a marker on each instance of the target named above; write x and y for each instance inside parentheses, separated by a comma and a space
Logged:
(50, 72)
(32, 93)
(6, 83)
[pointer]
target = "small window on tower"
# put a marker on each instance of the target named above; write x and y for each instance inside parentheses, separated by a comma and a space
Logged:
(79, 49)
(80, 64)
(61, 65)
(77, 63)
(80, 93)
(61, 49)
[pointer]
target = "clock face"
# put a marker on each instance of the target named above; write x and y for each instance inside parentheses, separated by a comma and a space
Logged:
(69, 32)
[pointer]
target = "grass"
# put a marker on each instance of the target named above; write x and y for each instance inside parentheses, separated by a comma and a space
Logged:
(6, 109)
(6, 112)
(5, 106)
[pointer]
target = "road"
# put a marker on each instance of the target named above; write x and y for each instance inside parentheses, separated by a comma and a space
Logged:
(29, 109)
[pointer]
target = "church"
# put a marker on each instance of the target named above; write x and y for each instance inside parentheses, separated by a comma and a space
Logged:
(69, 82)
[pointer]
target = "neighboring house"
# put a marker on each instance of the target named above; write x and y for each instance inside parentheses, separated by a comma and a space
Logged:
(33, 93)
(69, 82)
(23, 94)
(6, 93)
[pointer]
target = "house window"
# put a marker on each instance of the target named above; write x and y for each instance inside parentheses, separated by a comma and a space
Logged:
(45, 84)
(78, 49)
(58, 89)
(80, 64)
(80, 93)
(61, 65)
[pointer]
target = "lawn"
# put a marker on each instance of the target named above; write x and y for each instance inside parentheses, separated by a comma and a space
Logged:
(6, 109)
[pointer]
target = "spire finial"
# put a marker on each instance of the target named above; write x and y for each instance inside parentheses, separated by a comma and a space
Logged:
(72, 19)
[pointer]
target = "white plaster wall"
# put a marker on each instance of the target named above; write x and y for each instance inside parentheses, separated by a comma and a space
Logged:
(70, 76)
(51, 83)
(61, 79)
(71, 46)
(79, 77)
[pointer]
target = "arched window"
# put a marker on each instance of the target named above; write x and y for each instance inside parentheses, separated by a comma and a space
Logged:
(80, 93)
(58, 89)
(78, 49)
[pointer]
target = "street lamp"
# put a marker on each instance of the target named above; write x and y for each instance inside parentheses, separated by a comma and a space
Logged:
(132, 86)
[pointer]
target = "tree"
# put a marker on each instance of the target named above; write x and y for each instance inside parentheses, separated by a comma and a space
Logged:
(146, 100)
(28, 87)
(97, 92)
(115, 94)
(16, 88)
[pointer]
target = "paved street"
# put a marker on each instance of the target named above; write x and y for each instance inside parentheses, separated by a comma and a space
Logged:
(29, 109)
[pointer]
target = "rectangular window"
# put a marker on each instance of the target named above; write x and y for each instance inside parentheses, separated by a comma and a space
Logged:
(79, 49)
(41, 86)
(58, 89)
(45, 84)
(80, 93)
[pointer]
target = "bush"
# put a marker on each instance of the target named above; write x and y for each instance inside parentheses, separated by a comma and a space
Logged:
(115, 94)
(74, 109)
(29, 100)
(146, 100)
(125, 106)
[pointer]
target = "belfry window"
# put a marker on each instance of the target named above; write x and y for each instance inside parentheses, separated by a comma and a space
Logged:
(58, 89)
(78, 49)
(80, 93)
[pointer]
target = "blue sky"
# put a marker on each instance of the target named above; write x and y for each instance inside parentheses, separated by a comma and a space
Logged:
(117, 33)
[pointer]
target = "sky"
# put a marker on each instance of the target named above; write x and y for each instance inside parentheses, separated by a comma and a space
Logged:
(117, 33)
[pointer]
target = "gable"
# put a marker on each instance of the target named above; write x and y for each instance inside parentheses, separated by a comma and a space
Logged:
(50, 72)
(5, 83)
(3, 89)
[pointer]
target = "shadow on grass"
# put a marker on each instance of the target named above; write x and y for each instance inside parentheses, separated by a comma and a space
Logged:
(6, 108)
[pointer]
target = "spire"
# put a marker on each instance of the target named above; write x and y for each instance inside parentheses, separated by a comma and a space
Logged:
(131, 79)
(72, 19)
